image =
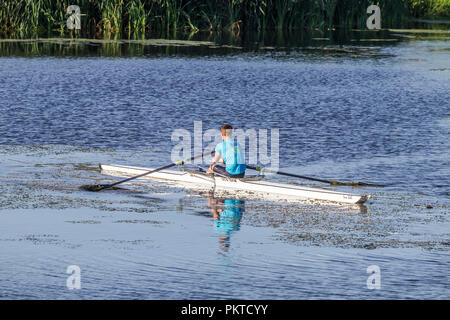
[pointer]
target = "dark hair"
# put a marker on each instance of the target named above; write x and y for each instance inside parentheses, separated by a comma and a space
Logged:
(226, 130)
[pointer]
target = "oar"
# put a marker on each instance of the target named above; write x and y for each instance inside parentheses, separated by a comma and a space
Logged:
(99, 187)
(332, 182)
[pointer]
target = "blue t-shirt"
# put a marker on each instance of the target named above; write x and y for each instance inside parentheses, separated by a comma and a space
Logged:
(233, 156)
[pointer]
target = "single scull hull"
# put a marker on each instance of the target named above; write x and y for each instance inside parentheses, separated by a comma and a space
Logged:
(248, 185)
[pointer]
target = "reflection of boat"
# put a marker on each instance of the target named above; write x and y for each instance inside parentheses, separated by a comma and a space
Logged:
(250, 185)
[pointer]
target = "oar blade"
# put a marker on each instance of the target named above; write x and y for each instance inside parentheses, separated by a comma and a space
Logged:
(354, 184)
(98, 187)
(92, 187)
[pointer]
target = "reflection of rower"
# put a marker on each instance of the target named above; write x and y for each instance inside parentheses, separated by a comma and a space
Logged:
(227, 218)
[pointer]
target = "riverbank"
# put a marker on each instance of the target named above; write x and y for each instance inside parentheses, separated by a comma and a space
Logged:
(355, 43)
(129, 18)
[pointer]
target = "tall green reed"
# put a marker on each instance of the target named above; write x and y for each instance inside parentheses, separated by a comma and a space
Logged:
(168, 16)
(137, 17)
(111, 15)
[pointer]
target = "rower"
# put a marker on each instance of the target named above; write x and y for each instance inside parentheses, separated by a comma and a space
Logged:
(230, 153)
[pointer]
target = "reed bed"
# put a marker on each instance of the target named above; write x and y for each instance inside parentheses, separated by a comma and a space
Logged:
(132, 17)
(429, 8)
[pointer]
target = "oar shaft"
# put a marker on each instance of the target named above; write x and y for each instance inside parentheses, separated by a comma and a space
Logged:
(155, 170)
(288, 174)
(335, 183)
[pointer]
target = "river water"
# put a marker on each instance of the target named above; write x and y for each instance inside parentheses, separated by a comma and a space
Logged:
(373, 110)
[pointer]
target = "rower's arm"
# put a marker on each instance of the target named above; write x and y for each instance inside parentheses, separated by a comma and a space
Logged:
(217, 158)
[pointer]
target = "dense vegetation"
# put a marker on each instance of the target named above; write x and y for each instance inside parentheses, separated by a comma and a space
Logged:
(126, 17)
(429, 8)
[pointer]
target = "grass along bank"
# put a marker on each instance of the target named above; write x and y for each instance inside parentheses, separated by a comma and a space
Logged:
(130, 17)
(21, 18)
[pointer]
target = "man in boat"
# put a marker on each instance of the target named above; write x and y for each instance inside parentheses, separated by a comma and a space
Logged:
(230, 153)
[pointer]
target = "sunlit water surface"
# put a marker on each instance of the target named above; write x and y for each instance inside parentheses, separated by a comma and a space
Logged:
(342, 115)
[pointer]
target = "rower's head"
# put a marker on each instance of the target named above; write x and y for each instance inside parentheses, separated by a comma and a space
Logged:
(226, 131)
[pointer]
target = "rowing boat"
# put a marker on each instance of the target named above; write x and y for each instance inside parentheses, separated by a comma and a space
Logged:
(251, 185)
(247, 185)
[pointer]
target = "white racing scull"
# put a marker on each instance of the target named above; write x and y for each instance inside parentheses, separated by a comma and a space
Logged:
(248, 185)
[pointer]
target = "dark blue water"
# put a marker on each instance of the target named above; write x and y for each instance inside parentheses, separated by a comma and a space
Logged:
(383, 118)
